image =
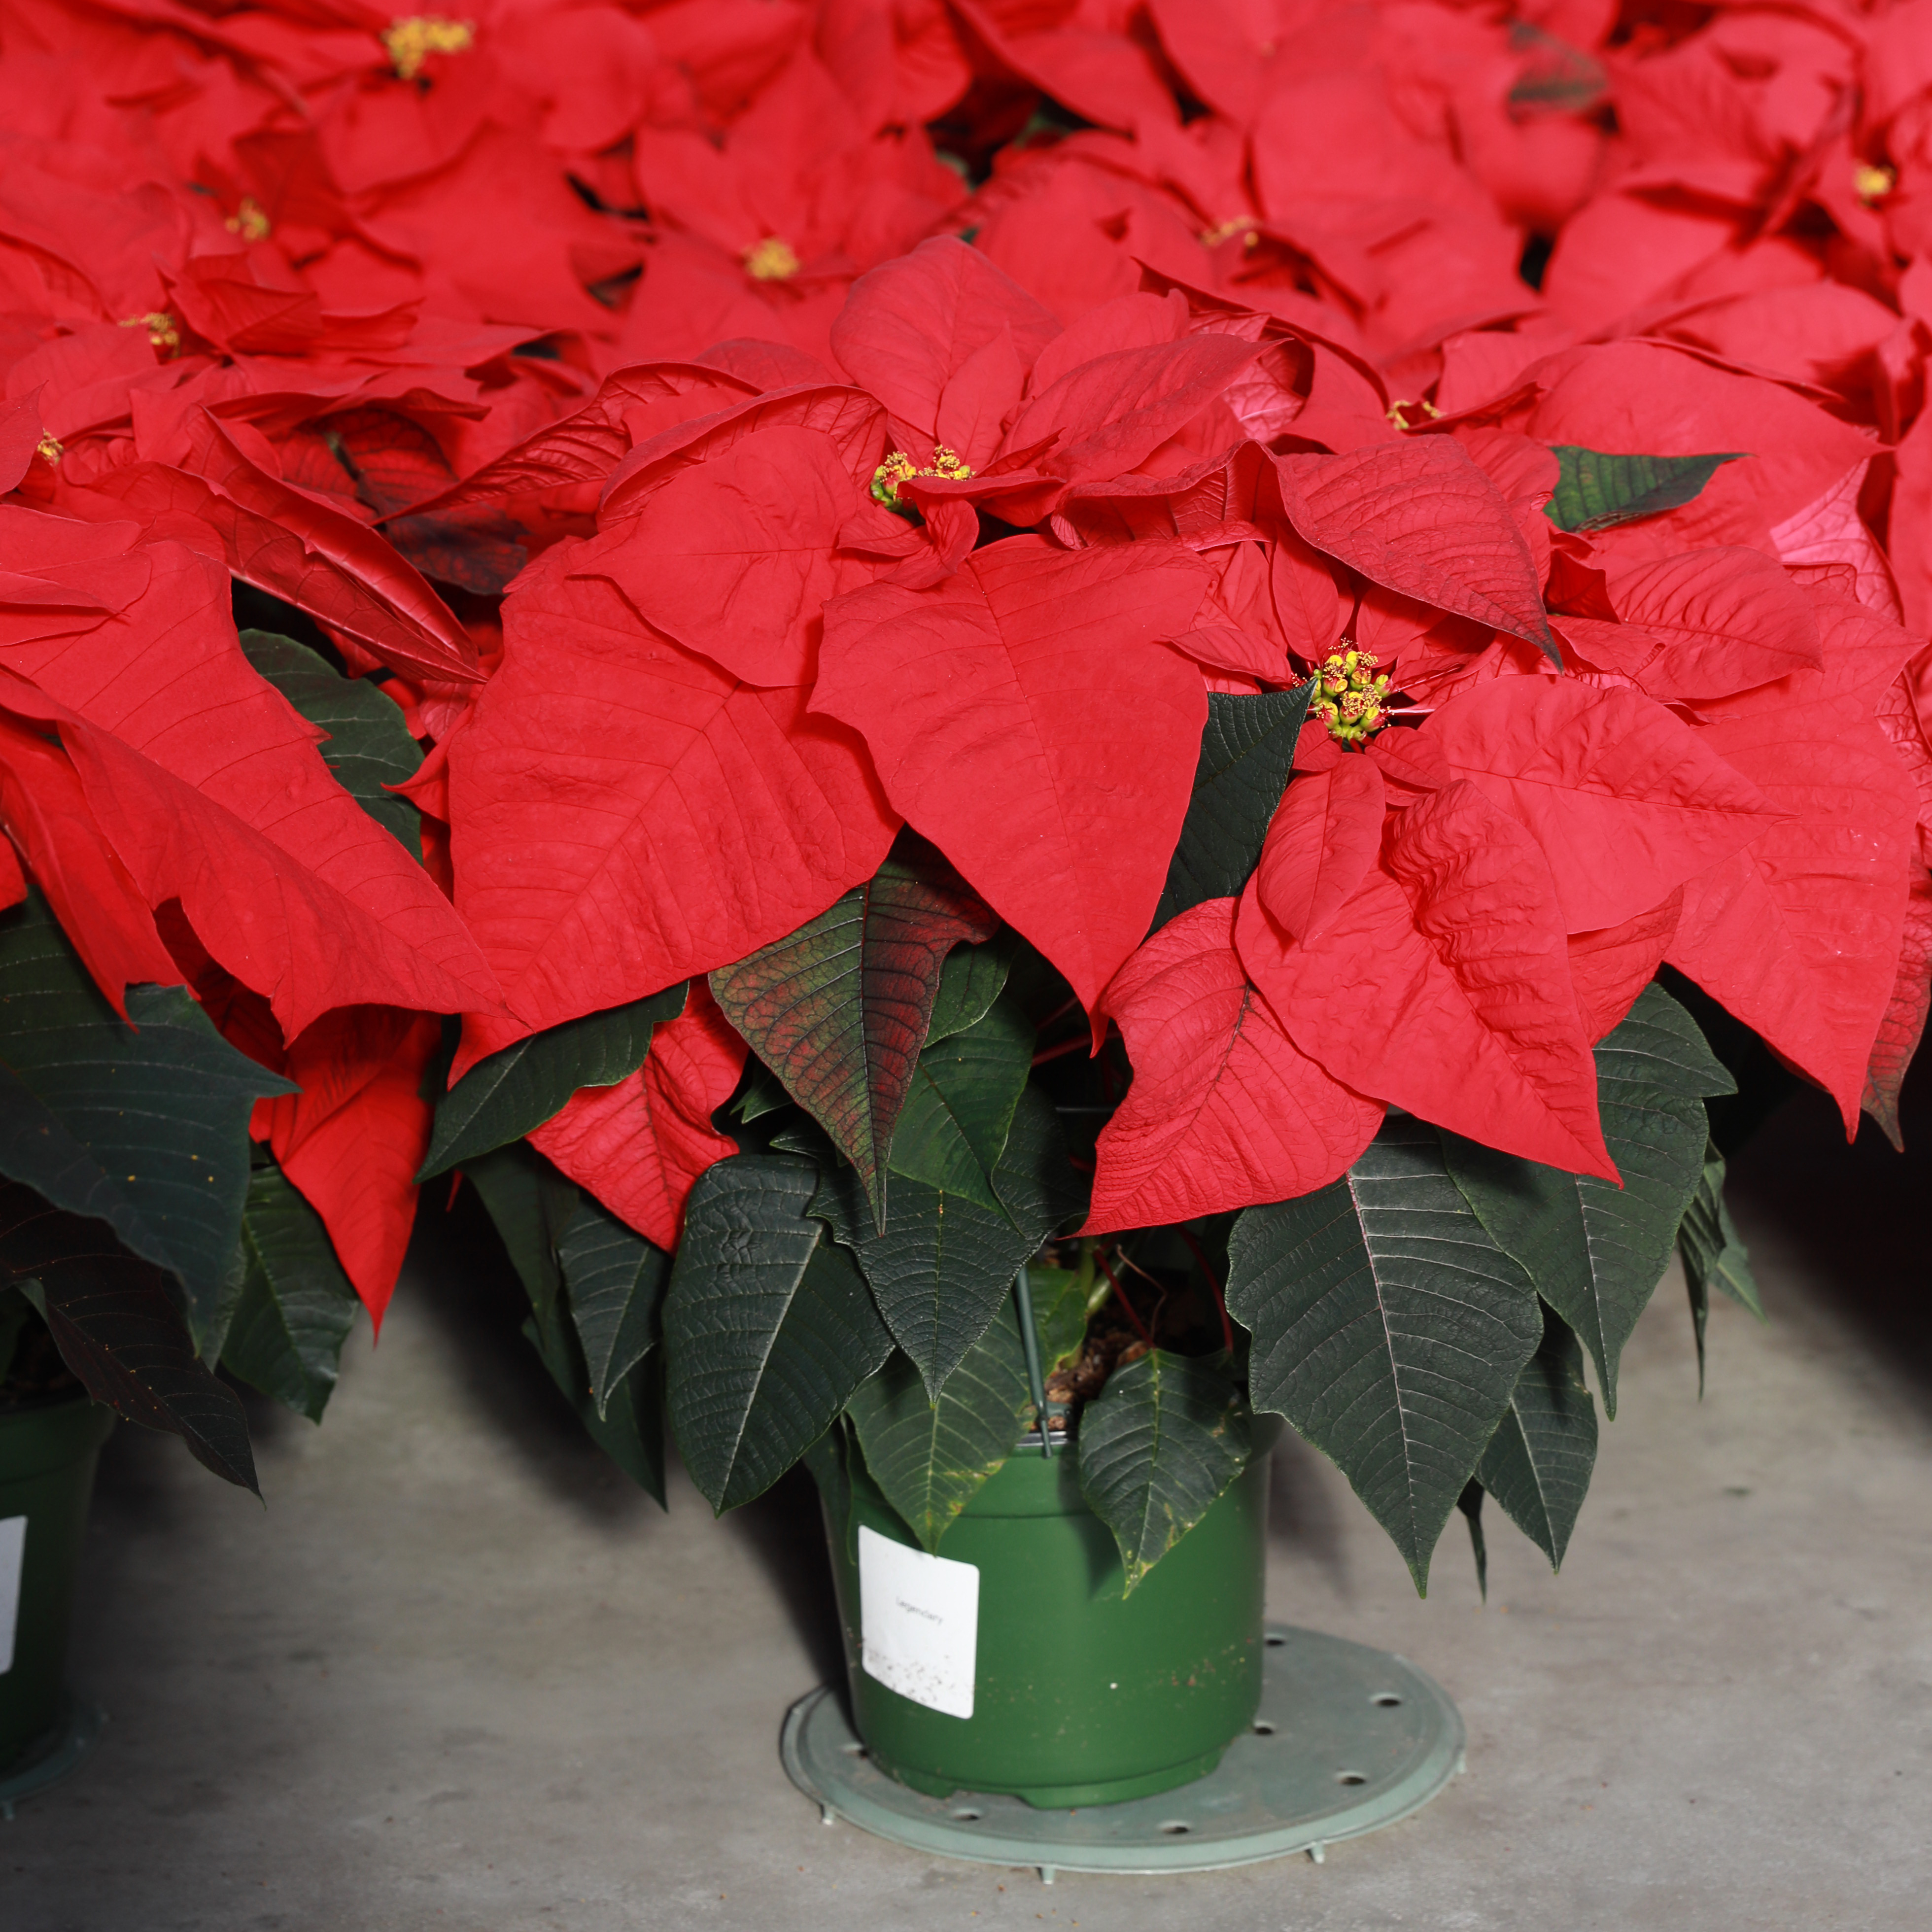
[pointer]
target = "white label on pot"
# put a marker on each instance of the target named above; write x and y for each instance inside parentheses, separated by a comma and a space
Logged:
(13, 1554)
(921, 1618)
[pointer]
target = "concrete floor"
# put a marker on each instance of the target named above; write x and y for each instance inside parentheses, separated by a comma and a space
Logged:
(459, 1675)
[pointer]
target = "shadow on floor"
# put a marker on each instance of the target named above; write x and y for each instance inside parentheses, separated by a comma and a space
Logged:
(1860, 1216)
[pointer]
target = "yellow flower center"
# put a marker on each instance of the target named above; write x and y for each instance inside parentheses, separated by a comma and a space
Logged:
(410, 42)
(1243, 225)
(249, 221)
(898, 468)
(771, 260)
(1350, 697)
(49, 448)
(163, 332)
(1871, 184)
(1395, 409)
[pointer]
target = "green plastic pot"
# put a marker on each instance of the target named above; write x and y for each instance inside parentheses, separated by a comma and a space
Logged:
(1082, 1694)
(47, 1456)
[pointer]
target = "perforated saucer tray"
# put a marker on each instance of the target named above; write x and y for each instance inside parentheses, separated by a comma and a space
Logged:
(1347, 1739)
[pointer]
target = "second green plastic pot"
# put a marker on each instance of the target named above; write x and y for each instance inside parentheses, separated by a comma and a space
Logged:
(47, 1456)
(1082, 1694)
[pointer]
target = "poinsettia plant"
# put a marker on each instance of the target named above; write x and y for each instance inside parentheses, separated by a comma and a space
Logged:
(997, 712)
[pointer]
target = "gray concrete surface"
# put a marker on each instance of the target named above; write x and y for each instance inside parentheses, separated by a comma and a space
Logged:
(456, 1675)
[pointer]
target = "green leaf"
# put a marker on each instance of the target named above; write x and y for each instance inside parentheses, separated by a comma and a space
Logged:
(1597, 1252)
(117, 1328)
(959, 1107)
(369, 745)
(144, 1127)
(1038, 1185)
(514, 1092)
(1595, 491)
(1158, 1445)
(1247, 751)
(1556, 78)
(770, 1327)
(972, 979)
(1708, 1240)
(1538, 1462)
(1388, 1327)
(930, 1457)
(1470, 1502)
(939, 1271)
(296, 1306)
(1059, 1313)
(1713, 1255)
(763, 1093)
(530, 1205)
(839, 1010)
(630, 1430)
(615, 1279)
(829, 1460)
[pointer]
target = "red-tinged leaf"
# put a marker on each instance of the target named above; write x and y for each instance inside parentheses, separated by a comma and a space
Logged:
(1206, 498)
(735, 558)
(855, 423)
(985, 704)
(1420, 518)
(633, 405)
(639, 1146)
(626, 815)
(288, 544)
(908, 328)
(1115, 411)
(1830, 530)
(1227, 647)
(1443, 986)
(1903, 1025)
(19, 439)
(1904, 711)
(1799, 933)
(1627, 800)
(351, 1141)
(979, 398)
(1225, 1110)
(1610, 969)
(1324, 836)
(384, 936)
(839, 1010)
(1307, 605)
(43, 806)
(1863, 652)
(1703, 625)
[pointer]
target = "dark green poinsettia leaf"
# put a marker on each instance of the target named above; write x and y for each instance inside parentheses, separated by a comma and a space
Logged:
(615, 1279)
(1595, 491)
(768, 1326)
(1158, 1445)
(929, 1455)
(532, 1208)
(514, 1092)
(368, 747)
(530, 1205)
(1556, 78)
(1713, 1255)
(762, 1093)
(939, 1271)
(1470, 1502)
(1038, 1185)
(959, 1107)
(1059, 1313)
(829, 1460)
(295, 1307)
(1538, 1462)
(144, 1127)
(839, 1010)
(1247, 751)
(116, 1325)
(972, 979)
(1388, 1327)
(1597, 1252)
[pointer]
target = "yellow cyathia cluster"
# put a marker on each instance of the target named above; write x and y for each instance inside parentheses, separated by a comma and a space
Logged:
(49, 448)
(899, 468)
(771, 260)
(1872, 184)
(249, 221)
(1351, 696)
(410, 42)
(162, 331)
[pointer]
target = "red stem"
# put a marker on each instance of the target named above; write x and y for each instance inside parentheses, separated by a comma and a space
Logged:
(1221, 1306)
(1059, 1012)
(1120, 1295)
(1047, 1053)
(455, 1182)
